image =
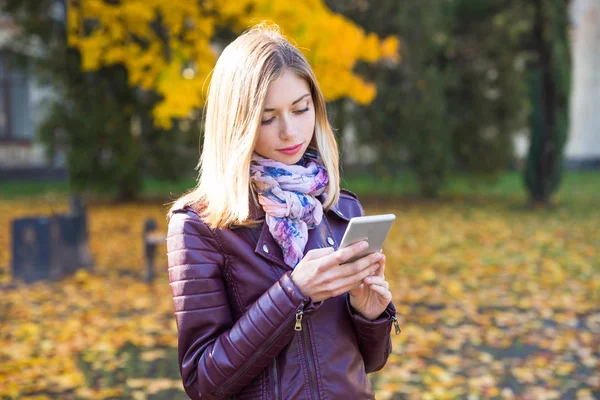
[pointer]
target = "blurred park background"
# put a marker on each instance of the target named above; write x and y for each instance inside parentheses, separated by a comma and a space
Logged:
(477, 122)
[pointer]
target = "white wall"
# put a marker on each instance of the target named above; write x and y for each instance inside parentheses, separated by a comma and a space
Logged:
(584, 136)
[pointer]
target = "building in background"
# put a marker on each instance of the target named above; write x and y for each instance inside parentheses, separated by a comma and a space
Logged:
(22, 107)
(583, 147)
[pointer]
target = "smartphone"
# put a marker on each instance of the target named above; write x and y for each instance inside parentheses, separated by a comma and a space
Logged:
(372, 228)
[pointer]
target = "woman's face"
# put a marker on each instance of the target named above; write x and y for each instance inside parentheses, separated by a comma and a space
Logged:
(288, 120)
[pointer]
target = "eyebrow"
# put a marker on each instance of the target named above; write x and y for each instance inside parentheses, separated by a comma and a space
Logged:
(295, 101)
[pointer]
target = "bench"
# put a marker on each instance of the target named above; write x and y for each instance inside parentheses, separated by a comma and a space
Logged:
(152, 240)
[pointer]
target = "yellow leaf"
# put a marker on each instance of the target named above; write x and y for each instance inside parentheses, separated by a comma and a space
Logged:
(428, 275)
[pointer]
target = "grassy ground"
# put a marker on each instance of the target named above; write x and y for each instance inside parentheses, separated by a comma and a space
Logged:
(496, 301)
(579, 186)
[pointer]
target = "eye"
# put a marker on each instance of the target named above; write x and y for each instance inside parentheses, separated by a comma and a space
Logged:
(301, 111)
(268, 121)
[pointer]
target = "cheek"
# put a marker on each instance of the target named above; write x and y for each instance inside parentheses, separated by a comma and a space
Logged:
(309, 123)
(264, 137)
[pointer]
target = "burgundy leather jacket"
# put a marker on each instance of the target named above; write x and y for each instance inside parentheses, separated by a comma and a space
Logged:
(247, 332)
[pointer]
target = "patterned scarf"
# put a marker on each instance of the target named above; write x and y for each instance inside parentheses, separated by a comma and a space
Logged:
(287, 195)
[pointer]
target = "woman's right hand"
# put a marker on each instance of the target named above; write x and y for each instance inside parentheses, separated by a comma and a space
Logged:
(320, 275)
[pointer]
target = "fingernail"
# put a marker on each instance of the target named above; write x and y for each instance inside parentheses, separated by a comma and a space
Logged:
(364, 245)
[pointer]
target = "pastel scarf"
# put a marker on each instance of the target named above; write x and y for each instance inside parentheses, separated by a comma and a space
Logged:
(287, 194)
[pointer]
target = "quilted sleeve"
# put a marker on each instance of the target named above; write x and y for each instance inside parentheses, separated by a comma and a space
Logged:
(374, 337)
(219, 356)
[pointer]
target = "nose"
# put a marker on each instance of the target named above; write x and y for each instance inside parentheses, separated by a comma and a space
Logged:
(287, 130)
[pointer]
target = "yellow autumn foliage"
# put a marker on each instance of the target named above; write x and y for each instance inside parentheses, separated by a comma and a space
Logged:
(175, 57)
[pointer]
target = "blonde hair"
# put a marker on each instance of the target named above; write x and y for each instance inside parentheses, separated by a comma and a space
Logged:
(232, 120)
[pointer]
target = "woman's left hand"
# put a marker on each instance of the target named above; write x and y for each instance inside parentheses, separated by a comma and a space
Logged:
(373, 296)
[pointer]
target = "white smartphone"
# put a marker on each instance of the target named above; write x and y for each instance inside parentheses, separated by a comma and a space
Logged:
(372, 228)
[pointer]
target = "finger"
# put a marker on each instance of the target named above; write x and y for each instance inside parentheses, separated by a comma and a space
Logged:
(360, 265)
(343, 284)
(377, 280)
(384, 293)
(318, 253)
(381, 270)
(335, 270)
(357, 278)
(343, 255)
(333, 277)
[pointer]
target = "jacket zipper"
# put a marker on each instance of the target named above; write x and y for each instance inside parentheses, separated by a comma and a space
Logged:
(311, 367)
(275, 380)
(305, 342)
(299, 313)
(309, 358)
(396, 326)
(257, 355)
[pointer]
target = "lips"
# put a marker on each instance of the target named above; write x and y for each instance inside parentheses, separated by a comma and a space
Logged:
(291, 150)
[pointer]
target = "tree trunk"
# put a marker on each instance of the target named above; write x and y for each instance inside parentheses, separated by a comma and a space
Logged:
(549, 97)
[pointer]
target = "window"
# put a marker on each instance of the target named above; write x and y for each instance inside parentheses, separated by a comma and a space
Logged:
(15, 112)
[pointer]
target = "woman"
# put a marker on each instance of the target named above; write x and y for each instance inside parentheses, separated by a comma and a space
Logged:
(265, 306)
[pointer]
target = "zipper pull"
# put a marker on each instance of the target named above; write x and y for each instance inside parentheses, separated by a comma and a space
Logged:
(299, 314)
(396, 326)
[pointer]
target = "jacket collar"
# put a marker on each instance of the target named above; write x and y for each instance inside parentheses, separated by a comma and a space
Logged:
(319, 237)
